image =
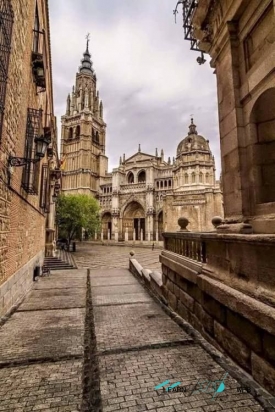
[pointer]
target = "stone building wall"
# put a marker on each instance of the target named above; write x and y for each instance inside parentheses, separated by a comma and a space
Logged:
(22, 220)
(232, 320)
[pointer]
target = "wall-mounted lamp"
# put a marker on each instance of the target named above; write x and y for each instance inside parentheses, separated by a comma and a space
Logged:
(42, 143)
(54, 197)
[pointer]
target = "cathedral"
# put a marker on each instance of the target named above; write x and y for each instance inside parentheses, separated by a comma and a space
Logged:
(145, 195)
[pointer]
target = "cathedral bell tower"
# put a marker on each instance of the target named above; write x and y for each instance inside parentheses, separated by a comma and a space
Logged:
(83, 134)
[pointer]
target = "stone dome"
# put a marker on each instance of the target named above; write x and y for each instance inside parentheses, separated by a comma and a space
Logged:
(193, 141)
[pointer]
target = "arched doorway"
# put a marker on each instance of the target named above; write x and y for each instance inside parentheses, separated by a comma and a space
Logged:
(130, 177)
(106, 225)
(134, 220)
(160, 225)
(263, 161)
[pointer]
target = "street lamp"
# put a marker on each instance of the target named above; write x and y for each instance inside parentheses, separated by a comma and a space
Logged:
(42, 142)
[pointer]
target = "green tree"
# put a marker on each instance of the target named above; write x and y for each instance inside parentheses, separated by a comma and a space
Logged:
(74, 212)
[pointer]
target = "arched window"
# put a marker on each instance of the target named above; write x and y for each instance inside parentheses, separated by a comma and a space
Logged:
(142, 177)
(71, 133)
(165, 183)
(193, 178)
(186, 179)
(161, 184)
(200, 177)
(170, 183)
(97, 137)
(207, 178)
(130, 178)
(158, 185)
(77, 131)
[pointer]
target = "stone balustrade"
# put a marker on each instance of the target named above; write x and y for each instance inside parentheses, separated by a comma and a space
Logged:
(189, 245)
(133, 186)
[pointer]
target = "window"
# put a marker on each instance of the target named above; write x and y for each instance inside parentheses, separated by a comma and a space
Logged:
(130, 178)
(77, 132)
(207, 178)
(36, 32)
(31, 170)
(200, 177)
(70, 133)
(44, 189)
(6, 23)
(142, 177)
(193, 178)
(186, 179)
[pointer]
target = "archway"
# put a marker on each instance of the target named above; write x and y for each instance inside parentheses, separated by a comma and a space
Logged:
(263, 161)
(130, 177)
(106, 225)
(160, 225)
(134, 220)
(142, 177)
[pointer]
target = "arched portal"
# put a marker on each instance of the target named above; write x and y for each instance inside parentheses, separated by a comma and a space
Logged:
(160, 225)
(263, 126)
(134, 220)
(106, 225)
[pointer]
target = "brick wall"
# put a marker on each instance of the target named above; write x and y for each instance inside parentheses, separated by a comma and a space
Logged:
(22, 221)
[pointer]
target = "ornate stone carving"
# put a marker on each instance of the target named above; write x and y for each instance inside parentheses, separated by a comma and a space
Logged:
(115, 212)
(150, 211)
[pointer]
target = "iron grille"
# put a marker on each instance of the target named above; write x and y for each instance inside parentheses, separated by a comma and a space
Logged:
(188, 8)
(44, 189)
(6, 23)
(30, 177)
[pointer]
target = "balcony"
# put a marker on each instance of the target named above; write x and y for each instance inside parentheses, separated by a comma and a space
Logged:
(133, 187)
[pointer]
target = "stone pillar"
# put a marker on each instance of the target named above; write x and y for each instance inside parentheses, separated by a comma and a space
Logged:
(95, 235)
(157, 236)
(134, 235)
(126, 234)
(141, 235)
(149, 236)
(109, 234)
(102, 236)
(116, 236)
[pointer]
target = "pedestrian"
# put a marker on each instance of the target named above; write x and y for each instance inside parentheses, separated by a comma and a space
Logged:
(153, 245)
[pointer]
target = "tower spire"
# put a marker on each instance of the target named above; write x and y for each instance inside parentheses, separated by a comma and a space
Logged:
(192, 127)
(86, 62)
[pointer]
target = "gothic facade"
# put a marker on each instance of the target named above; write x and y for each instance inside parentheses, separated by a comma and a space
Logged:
(145, 195)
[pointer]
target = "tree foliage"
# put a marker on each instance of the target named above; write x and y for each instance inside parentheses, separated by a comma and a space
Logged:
(74, 212)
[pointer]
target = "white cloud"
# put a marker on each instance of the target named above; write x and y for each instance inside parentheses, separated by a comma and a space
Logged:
(148, 78)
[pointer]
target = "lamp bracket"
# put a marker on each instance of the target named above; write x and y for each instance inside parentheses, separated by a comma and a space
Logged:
(21, 161)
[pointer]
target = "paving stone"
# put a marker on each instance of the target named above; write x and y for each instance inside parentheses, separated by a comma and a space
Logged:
(121, 299)
(40, 386)
(39, 334)
(117, 290)
(54, 299)
(186, 364)
(113, 281)
(61, 282)
(134, 325)
(103, 257)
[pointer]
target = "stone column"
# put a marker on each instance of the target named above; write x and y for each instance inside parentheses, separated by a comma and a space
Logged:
(109, 234)
(134, 235)
(126, 234)
(141, 235)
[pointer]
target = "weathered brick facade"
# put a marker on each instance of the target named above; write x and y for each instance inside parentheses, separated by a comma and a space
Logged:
(22, 215)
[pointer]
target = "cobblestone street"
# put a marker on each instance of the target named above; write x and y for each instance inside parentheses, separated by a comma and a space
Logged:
(102, 343)
(97, 256)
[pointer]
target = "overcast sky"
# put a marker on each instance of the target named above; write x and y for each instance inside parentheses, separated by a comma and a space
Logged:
(148, 78)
